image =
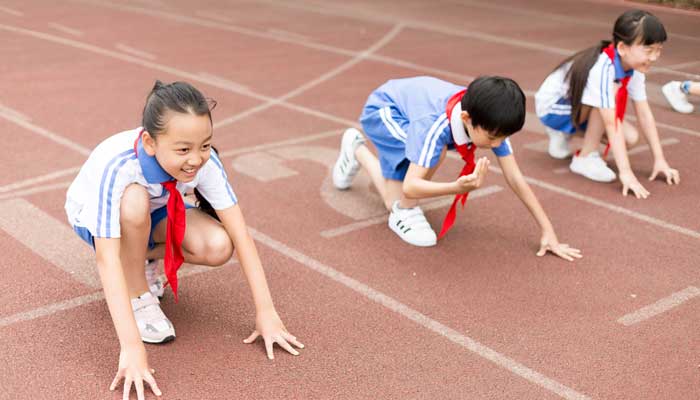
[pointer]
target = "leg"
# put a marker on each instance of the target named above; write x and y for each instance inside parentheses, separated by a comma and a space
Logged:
(588, 162)
(135, 221)
(206, 242)
(391, 190)
(594, 133)
(631, 134)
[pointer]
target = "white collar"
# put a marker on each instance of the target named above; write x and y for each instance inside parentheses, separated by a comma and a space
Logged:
(459, 134)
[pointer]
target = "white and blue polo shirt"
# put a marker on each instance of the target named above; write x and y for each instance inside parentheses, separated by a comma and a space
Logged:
(94, 197)
(406, 121)
(553, 106)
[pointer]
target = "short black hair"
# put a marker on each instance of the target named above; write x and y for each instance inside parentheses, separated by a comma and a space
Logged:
(496, 104)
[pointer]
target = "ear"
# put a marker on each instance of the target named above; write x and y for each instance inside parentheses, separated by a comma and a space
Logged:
(465, 117)
(149, 143)
(621, 48)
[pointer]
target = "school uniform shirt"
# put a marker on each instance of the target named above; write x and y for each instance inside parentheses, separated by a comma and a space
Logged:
(406, 119)
(553, 106)
(94, 197)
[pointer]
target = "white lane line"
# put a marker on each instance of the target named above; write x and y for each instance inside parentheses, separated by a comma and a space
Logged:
(11, 11)
(38, 179)
(600, 203)
(661, 306)
(433, 205)
(318, 46)
(65, 29)
(46, 133)
(288, 34)
(40, 189)
(4, 110)
(315, 82)
(134, 51)
(49, 238)
(226, 83)
(287, 142)
(323, 115)
(423, 320)
(645, 147)
(684, 65)
(214, 16)
(562, 170)
(188, 270)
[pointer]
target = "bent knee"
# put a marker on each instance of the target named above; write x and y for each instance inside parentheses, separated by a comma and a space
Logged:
(631, 135)
(134, 209)
(217, 249)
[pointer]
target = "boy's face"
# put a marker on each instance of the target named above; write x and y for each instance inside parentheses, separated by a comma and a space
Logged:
(184, 147)
(481, 138)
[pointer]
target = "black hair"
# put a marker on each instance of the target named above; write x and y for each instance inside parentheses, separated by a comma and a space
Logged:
(632, 27)
(495, 104)
(178, 97)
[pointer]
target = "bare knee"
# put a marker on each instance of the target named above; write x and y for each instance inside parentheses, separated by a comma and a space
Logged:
(216, 249)
(135, 208)
(631, 134)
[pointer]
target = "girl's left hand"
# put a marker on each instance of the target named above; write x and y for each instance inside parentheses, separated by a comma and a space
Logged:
(672, 175)
(269, 325)
(549, 242)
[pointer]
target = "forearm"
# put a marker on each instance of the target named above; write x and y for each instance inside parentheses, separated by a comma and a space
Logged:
(618, 146)
(525, 194)
(421, 188)
(254, 273)
(118, 302)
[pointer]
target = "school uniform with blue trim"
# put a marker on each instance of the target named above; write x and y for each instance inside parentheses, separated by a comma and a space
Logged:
(94, 198)
(406, 120)
(553, 105)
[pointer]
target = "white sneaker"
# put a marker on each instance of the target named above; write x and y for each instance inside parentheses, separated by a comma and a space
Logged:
(346, 166)
(411, 226)
(155, 283)
(153, 325)
(675, 96)
(592, 167)
(558, 144)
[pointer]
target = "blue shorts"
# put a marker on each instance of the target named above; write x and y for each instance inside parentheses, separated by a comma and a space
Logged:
(386, 128)
(559, 118)
(156, 216)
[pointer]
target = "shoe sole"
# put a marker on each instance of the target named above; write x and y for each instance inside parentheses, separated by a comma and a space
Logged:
(592, 178)
(167, 339)
(418, 244)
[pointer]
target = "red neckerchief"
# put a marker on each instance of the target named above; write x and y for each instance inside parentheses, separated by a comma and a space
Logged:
(175, 230)
(466, 150)
(621, 96)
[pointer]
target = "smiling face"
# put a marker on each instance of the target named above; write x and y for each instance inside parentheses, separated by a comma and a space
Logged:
(481, 138)
(639, 56)
(183, 147)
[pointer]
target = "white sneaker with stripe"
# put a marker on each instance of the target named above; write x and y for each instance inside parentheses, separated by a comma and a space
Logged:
(411, 226)
(347, 166)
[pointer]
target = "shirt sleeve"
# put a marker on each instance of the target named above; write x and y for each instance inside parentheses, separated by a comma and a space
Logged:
(214, 186)
(600, 88)
(101, 212)
(505, 149)
(636, 87)
(426, 139)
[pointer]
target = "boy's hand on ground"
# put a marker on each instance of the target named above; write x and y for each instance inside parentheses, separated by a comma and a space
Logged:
(672, 175)
(474, 180)
(269, 325)
(630, 182)
(133, 368)
(549, 242)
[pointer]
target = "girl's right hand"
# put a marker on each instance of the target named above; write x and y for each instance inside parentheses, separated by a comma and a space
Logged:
(467, 183)
(630, 182)
(133, 368)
